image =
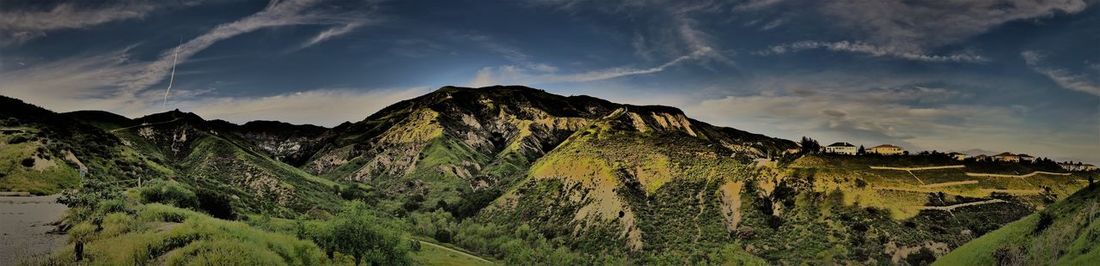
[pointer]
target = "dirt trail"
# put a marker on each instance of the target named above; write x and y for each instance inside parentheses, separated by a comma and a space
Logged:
(918, 168)
(456, 251)
(950, 184)
(25, 226)
(145, 124)
(953, 207)
(1024, 175)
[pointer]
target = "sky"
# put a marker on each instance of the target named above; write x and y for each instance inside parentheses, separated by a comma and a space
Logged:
(982, 76)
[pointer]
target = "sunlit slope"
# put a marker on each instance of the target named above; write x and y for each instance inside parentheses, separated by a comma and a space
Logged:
(1066, 233)
(633, 182)
(221, 158)
(43, 152)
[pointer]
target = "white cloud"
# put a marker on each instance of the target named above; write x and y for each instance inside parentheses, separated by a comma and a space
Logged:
(325, 107)
(17, 26)
(335, 31)
(875, 116)
(1062, 77)
(872, 50)
(112, 81)
(916, 25)
(86, 83)
(525, 75)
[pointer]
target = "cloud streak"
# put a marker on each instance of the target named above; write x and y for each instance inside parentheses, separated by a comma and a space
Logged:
(17, 26)
(1064, 78)
(871, 50)
(276, 14)
(522, 75)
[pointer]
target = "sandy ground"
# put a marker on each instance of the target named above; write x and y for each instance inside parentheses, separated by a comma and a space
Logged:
(24, 226)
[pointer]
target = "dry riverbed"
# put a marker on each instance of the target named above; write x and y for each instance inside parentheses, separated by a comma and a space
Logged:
(25, 225)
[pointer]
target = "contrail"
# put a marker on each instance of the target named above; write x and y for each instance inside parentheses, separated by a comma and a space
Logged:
(172, 77)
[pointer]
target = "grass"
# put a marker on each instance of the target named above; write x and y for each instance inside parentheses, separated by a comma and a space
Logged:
(14, 176)
(1070, 236)
(434, 255)
(163, 234)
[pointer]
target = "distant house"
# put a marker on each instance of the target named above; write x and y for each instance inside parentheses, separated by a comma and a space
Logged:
(886, 149)
(1025, 157)
(1006, 157)
(958, 155)
(794, 150)
(981, 157)
(841, 148)
(1078, 166)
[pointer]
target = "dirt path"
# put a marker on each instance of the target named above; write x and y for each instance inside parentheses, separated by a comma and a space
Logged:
(953, 207)
(918, 168)
(1024, 175)
(25, 226)
(949, 184)
(144, 124)
(455, 251)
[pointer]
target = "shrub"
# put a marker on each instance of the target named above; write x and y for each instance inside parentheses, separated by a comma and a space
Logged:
(17, 140)
(1045, 220)
(216, 204)
(362, 236)
(28, 162)
(168, 192)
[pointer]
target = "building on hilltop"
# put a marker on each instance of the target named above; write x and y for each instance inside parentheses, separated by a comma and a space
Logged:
(841, 148)
(1006, 157)
(958, 156)
(1078, 166)
(1026, 158)
(886, 149)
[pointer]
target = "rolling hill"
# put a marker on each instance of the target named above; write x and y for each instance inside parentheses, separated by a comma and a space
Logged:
(505, 168)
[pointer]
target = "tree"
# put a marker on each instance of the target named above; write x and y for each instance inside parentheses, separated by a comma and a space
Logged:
(861, 151)
(357, 233)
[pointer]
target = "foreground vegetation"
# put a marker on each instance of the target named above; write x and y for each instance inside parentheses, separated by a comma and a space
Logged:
(1067, 233)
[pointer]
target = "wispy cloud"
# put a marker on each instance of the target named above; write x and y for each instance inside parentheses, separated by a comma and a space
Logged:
(114, 80)
(915, 117)
(521, 75)
(924, 24)
(1063, 77)
(20, 25)
(325, 107)
(334, 32)
(276, 14)
(871, 50)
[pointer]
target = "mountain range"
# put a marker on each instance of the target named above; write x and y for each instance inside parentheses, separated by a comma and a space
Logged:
(590, 176)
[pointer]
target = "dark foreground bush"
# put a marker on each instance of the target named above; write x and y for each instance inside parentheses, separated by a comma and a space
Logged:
(168, 192)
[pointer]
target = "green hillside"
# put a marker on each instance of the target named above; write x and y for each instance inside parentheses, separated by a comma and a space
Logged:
(516, 175)
(1066, 233)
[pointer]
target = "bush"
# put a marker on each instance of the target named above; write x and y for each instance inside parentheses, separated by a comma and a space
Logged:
(17, 140)
(357, 233)
(28, 162)
(168, 192)
(216, 204)
(1045, 220)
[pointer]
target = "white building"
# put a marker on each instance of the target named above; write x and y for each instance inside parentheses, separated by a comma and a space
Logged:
(886, 149)
(957, 156)
(841, 148)
(1078, 166)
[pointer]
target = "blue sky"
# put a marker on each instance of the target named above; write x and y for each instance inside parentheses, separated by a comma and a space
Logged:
(989, 76)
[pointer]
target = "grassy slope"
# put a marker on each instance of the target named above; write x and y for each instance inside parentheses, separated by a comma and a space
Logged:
(1071, 238)
(49, 174)
(627, 191)
(163, 234)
